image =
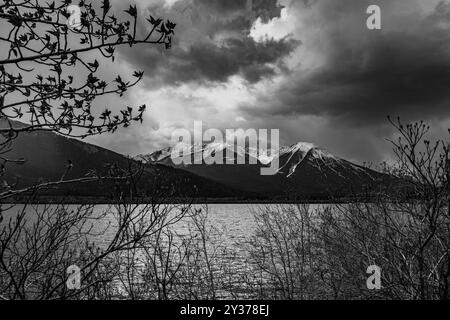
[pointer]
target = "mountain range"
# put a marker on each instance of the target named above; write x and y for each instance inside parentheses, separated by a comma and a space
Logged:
(305, 171)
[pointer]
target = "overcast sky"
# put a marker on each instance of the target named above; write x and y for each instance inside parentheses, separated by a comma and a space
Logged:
(310, 68)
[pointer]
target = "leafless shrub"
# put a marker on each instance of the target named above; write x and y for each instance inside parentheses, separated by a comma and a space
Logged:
(39, 242)
(175, 263)
(283, 253)
(325, 253)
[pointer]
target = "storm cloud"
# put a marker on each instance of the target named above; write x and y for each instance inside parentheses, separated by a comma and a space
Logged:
(402, 69)
(212, 43)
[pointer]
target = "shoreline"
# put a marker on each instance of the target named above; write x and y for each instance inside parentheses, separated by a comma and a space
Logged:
(106, 201)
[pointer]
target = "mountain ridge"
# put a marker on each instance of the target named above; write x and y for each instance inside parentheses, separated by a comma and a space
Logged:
(304, 170)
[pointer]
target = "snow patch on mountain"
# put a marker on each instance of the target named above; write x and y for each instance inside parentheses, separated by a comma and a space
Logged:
(306, 148)
(290, 157)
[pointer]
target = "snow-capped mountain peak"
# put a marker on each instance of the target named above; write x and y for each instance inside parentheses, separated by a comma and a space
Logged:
(155, 156)
(303, 167)
(296, 154)
(299, 150)
(306, 148)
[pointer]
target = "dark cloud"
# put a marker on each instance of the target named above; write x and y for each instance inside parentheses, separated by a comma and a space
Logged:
(205, 62)
(213, 43)
(404, 69)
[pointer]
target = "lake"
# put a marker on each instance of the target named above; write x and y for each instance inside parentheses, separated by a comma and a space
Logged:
(235, 221)
(233, 225)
